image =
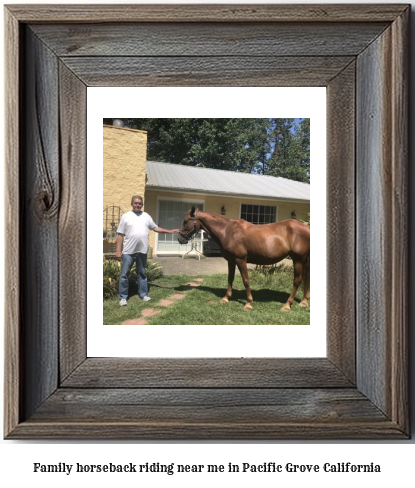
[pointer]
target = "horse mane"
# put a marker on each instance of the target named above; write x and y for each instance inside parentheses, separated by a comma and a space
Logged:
(215, 216)
(212, 219)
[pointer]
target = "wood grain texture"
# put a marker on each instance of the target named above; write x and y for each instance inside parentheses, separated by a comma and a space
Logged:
(207, 71)
(152, 430)
(207, 13)
(209, 414)
(207, 373)
(12, 371)
(210, 405)
(53, 390)
(374, 199)
(382, 249)
(40, 207)
(400, 244)
(181, 39)
(72, 222)
(341, 235)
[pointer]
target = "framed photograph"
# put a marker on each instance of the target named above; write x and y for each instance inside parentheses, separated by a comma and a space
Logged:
(188, 320)
(359, 390)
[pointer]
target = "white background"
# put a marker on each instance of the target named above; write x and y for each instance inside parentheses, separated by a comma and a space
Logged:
(396, 458)
(197, 341)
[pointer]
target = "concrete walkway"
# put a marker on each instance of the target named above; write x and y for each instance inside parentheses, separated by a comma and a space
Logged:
(174, 265)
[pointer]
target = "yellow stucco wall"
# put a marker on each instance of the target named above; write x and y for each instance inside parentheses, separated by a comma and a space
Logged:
(213, 203)
(125, 155)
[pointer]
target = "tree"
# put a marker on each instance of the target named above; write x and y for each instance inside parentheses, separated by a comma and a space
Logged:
(278, 147)
(231, 144)
(304, 141)
(290, 155)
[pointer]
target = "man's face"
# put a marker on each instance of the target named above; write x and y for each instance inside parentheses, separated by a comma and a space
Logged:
(137, 205)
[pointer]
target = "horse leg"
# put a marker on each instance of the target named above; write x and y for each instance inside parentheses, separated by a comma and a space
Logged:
(243, 269)
(231, 277)
(298, 271)
(306, 282)
(306, 298)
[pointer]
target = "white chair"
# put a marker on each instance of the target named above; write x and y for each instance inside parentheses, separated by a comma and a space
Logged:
(194, 251)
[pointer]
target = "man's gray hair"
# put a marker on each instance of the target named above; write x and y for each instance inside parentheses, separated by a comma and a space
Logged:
(136, 196)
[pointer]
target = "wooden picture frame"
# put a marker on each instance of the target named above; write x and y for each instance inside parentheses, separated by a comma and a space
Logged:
(360, 53)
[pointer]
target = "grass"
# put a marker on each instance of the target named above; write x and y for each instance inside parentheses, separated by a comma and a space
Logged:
(202, 305)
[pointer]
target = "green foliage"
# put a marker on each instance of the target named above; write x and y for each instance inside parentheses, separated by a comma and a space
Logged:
(290, 157)
(306, 220)
(271, 274)
(276, 147)
(111, 275)
(154, 271)
(230, 144)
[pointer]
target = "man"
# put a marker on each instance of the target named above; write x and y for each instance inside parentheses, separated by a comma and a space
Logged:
(132, 246)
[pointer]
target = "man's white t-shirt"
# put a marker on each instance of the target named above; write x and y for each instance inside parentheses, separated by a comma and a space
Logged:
(136, 229)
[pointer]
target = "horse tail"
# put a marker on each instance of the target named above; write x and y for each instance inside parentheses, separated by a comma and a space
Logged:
(306, 276)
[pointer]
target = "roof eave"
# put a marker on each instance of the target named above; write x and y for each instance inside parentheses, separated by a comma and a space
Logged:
(235, 195)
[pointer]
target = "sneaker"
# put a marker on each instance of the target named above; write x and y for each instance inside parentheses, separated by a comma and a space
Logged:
(123, 302)
(146, 298)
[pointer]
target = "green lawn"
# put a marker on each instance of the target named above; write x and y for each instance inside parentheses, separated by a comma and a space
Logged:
(202, 305)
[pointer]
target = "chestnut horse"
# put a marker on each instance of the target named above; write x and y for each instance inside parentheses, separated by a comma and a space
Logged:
(242, 242)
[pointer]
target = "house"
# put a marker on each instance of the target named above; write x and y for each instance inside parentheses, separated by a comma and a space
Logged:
(170, 190)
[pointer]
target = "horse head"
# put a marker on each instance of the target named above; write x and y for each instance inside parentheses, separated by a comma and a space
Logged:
(190, 226)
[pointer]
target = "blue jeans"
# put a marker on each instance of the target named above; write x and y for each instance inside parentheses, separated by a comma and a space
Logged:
(128, 260)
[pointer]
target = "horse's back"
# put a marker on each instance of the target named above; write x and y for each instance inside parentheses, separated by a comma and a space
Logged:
(268, 243)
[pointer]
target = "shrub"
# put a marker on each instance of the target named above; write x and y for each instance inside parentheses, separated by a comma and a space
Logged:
(154, 271)
(270, 274)
(111, 275)
(306, 220)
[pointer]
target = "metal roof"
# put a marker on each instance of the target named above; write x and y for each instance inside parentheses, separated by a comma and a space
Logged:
(207, 180)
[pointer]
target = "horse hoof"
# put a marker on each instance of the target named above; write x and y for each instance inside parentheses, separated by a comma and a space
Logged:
(247, 307)
(225, 300)
(286, 308)
(304, 304)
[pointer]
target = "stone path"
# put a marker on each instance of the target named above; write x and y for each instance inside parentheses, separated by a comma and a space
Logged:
(150, 312)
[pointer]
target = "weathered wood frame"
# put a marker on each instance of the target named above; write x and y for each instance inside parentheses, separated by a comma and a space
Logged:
(359, 52)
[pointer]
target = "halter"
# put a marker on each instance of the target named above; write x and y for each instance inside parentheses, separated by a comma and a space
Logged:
(192, 234)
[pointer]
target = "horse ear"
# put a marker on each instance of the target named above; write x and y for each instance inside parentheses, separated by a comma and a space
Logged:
(192, 212)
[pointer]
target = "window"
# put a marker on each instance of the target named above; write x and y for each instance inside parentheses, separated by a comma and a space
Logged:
(259, 214)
